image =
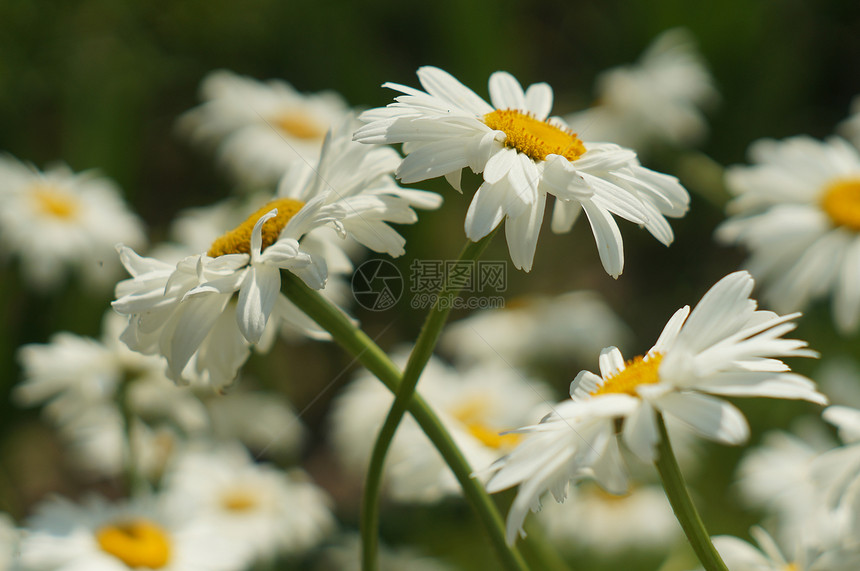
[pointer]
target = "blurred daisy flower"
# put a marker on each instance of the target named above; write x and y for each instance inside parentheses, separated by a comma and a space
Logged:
(742, 556)
(798, 212)
(593, 519)
(535, 329)
(57, 220)
(659, 99)
(145, 533)
(724, 347)
(524, 155)
(261, 128)
(190, 312)
(268, 511)
(475, 405)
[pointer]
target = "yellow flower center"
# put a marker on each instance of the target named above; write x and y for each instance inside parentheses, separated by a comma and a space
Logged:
(841, 201)
(137, 543)
(533, 137)
(239, 501)
(55, 202)
(238, 240)
(299, 126)
(638, 371)
(791, 567)
(471, 414)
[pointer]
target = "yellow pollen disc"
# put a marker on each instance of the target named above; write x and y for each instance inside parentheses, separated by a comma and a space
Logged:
(841, 202)
(55, 202)
(239, 501)
(299, 126)
(137, 543)
(470, 414)
(238, 240)
(791, 567)
(638, 371)
(533, 137)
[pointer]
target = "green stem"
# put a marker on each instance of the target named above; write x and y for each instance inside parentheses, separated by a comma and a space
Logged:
(682, 504)
(356, 342)
(135, 481)
(421, 353)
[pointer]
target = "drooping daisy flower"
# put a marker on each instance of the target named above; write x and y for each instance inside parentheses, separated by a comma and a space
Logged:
(56, 221)
(536, 328)
(605, 523)
(145, 533)
(798, 212)
(724, 347)
(475, 405)
(524, 155)
(268, 511)
(261, 128)
(191, 314)
(741, 556)
(659, 99)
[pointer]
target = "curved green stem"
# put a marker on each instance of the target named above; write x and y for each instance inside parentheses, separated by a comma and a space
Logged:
(682, 503)
(356, 342)
(421, 353)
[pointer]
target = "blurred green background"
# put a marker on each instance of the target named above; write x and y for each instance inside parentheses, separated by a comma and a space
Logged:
(99, 84)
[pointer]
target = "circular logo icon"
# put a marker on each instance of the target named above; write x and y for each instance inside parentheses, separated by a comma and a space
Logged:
(377, 285)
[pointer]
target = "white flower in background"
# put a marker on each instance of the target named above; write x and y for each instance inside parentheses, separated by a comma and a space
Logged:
(741, 556)
(659, 99)
(837, 471)
(146, 533)
(724, 347)
(475, 405)
(58, 221)
(345, 555)
(777, 477)
(593, 519)
(261, 128)
(536, 328)
(524, 155)
(268, 511)
(79, 381)
(797, 211)
(191, 314)
(10, 537)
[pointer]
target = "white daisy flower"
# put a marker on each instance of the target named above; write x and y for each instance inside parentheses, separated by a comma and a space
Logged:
(475, 405)
(524, 155)
(724, 347)
(741, 556)
(141, 534)
(56, 221)
(78, 380)
(268, 511)
(605, 523)
(837, 471)
(536, 328)
(798, 212)
(190, 313)
(659, 99)
(261, 128)
(10, 537)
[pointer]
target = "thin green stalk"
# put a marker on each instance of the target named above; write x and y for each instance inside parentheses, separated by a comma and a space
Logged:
(682, 504)
(377, 362)
(421, 353)
(135, 481)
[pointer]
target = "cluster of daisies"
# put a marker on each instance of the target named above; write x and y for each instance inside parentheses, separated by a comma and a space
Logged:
(210, 467)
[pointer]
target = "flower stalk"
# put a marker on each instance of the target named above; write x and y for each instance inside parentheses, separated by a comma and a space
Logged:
(682, 503)
(362, 347)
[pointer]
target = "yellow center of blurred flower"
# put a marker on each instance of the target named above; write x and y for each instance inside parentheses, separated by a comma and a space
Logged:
(791, 567)
(238, 240)
(638, 371)
(533, 137)
(137, 543)
(239, 500)
(841, 202)
(55, 202)
(299, 126)
(471, 414)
